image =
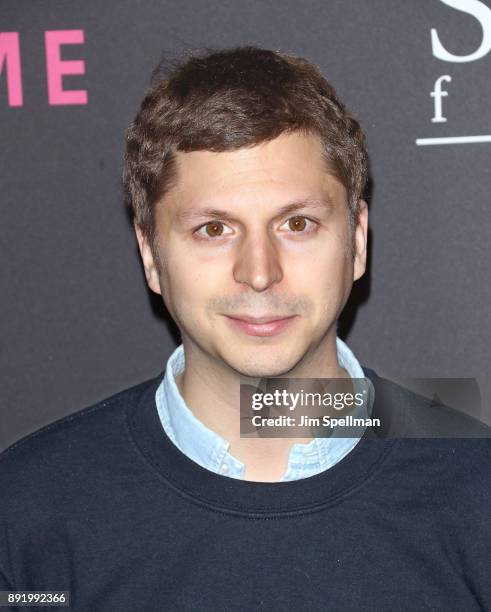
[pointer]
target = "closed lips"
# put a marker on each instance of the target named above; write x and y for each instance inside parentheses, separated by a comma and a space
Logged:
(260, 320)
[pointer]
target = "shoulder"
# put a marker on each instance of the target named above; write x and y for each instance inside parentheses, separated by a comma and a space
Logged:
(440, 452)
(62, 446)
(407, 414)
(442, 442)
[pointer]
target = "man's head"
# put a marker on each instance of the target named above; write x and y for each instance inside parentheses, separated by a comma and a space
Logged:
(245, 176)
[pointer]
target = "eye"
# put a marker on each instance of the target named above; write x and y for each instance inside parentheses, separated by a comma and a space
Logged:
(212, 229)
(298, 224)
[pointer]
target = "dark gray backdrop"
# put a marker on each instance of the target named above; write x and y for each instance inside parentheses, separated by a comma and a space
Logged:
(78, 322)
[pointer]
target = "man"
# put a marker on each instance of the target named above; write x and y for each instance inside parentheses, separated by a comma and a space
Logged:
(245, 177)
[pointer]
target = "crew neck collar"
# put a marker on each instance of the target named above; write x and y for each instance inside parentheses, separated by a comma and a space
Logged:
(254, 499)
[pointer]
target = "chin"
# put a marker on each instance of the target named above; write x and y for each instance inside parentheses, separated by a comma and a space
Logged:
(261, 362)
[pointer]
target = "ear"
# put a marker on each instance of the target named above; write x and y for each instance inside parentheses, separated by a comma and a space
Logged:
(361, 236)
(151, 271)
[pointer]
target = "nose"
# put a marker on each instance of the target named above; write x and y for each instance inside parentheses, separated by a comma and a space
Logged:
(257, 262)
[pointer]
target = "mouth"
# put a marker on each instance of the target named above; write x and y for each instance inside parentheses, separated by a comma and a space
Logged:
(268, 325)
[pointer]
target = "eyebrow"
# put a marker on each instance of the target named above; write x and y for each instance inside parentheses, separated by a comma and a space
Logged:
(191, 214)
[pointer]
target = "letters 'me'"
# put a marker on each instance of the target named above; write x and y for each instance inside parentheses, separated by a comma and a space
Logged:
(56, 68)
(482, 13)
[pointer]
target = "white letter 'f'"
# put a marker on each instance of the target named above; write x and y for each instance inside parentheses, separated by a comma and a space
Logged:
(438, 94)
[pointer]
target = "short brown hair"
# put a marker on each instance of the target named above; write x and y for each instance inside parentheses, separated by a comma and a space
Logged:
(229, 99)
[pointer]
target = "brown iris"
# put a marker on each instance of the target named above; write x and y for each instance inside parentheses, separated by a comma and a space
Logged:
(297, 224)
(214, 229)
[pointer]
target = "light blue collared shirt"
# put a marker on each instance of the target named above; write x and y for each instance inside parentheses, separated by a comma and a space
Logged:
(210, 450)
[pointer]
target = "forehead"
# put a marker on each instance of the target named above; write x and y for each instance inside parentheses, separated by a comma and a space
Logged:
(289, 166)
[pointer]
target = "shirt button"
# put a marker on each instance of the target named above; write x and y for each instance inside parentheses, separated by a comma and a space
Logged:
(224, 468)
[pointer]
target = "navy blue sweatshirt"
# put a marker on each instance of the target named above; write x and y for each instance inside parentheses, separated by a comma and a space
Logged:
(102, 504)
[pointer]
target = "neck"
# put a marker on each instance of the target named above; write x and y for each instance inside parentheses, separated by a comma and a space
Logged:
(211, 390)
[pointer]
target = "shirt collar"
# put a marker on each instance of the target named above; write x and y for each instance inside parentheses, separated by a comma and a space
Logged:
(207, 448)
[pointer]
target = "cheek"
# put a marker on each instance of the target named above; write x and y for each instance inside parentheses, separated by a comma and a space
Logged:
(324, 258)
(191, 275)
(325, 277)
